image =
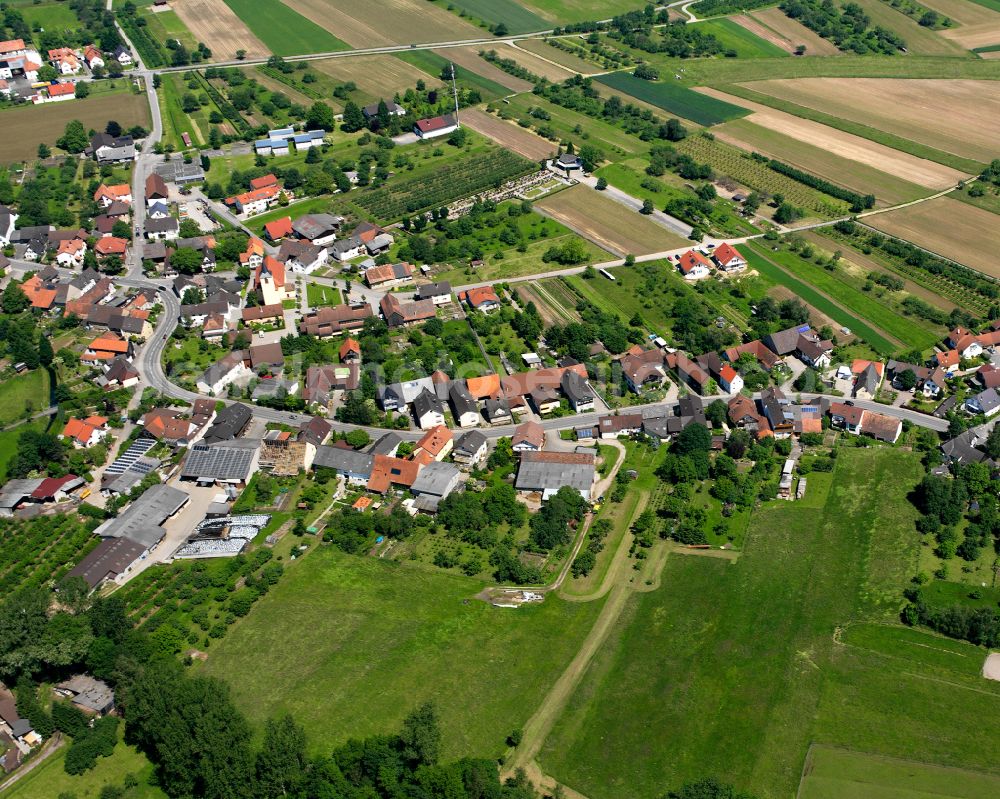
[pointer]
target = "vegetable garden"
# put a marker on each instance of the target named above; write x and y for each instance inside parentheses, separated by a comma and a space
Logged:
(680, 100)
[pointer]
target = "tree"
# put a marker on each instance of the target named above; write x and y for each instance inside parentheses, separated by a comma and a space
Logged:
(693, 438)
(353, 119)
(45, 353)
(81, 90)
(74, 139)
(189, 103)
(907, 381)
(647, 207)
(189, 229)
(186, 260)
(993, 443)
(717, 412)
(738, 443)
(321, 116)
(357, 438)
(113, 128)
(602, 184)
(280, 766)
(14, 300)
(43, 151)
(590, 157)
(709, 788)
(500, 29)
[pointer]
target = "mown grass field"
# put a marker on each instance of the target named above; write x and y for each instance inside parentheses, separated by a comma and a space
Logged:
(165, 25)
(678, 100)
(350, 645)
(733, 669)
(515, 16)
(842, 774)
(764, 264)
(49, 16)
(737, 38)
(28, 390)
(283, 30)
(317, 294)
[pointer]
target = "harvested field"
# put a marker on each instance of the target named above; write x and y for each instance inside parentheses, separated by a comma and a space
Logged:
(608, 224)
(561, 57)
(846, 145)
(509, 135)
(963, 12)
(536, 63)
(381, 22)
(911, 108)
(469, 58)
(24, 127)
(375, 75)
(792, 32)
(972, 36)
(215, 24)
(950, 228)
(758, 29)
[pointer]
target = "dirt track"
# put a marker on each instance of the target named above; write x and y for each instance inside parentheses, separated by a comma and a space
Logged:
(215, 24)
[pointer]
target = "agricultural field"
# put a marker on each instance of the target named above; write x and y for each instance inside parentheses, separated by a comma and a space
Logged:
(947, 227)
(49, 16)
(767, 267)
(508, 134)
(609, 224)
(175, 120)
(543, 66)
(434, 64)
(25, 126)
(785, 32)
(572, 62)
(377, 23)
(908, 171)
(911, 108)
(469, 58)
(743, 39)
(677, 100)
(216, 24)
(563, 11)
(731, 668)
(840, 774)
(35, 551)
(163, 25)
(888, 189)
(23, 392)
(569, 125)
(278, 25)
(433, 642)
(376, 76)
(919, 40)
(732, 162)
(515, 16)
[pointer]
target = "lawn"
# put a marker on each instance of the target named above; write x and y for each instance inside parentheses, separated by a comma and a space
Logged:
(732, 669)
(841, 774)
(50, 16)
(350, 645)
(165, 25)
(283, 30)
(674, 99)
(50, 779)
(822, 303)
(914, 333)
(27, 391)
(517, 18)
(746, 44)
(318, 294)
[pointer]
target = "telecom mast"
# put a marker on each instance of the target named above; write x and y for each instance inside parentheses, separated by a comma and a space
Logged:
(454, 91)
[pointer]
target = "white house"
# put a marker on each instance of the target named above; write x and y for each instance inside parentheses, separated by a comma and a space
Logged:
(221, 374)
(71, 253)
(435, 126)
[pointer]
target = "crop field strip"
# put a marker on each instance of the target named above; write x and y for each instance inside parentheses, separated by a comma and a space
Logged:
(958, 231)
(607, 223)
(976, 24)
(514, 15)
(924, 152)
(911, 108)
(469, 58)
(283, 30)
(165, 25)
(376, 23)
(761, 260)
(793, 32)
(677, 100)
(509, 135)
(737, 164)
(375, 75)
(432, 63)
(919, 40)
(536, 64)
(745, 41)
(572, 62)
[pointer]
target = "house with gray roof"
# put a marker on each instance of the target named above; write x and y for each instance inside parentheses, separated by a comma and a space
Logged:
(547, 472)
(464, 408)
(985, 402)
(398, 395)
(353, 465)
(320, 229)
(428, 409)
(577, 391)
(434, 482)
(470, 449)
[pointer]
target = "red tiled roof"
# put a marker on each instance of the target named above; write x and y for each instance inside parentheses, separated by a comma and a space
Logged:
(725, 253)
(435, 440)
(479, 296)
(692, 258)
(279, 228)
(110, 245)
(263, 181)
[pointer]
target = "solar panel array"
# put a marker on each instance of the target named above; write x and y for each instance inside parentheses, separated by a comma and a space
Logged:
(127, 460)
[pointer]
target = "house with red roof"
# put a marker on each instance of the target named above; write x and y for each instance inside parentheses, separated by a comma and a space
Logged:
(947, 360)
(256, 201)
(64, 60)
(694, 266)
(93, 56)
(71, 252)
(279, 228)
(435, 126)
(350, 351)
(483, 299)
(111, 245)
(106, 348)
(105, 196)
(263, 182)
(85, 432)
(728, 258)
(57, 92)
(41, 295)
(435, 444)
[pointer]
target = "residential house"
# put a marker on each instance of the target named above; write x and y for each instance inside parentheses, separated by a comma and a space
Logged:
(483, 299)
(390, 471)
(120, 374)
(986, 402)
(389, 275)
(106, 196)
(331, 320)
(263, 313)
(689, 372)
(106, 348)
(967, 343)
(743, 414)
(470, 449)
(302, 257)
(355, 467)
(989, 375)
(397, 396)
(948, 360)
(8, 219)
(123, 56)
(348, 248)
(392, 108)
(111, 246)
(433, 483)
(323, 381)
(464, 408)
(528, 437)
(93, 56)
(107, 149)
(786, 342)
(156, 189)
(255, 201)
(867, 378)
(85, 432)
(320, 229)
(65, 61)
(643, 368)
(435, 126)
(730, 380)
(846, 417)
(428, 410)
(623, 424)
(278, 229)
(882, 427)
(728, 258)
(578, 391)
(777, 410)
(438, 293)
(498, 411)
(545, 399)
(164, 229)
(223, 373)
(315, 431)
(434, 445)
(70, 253)
(403, 314)
(694, 266)
(930, 381)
